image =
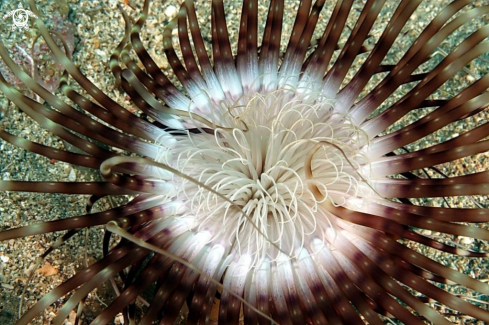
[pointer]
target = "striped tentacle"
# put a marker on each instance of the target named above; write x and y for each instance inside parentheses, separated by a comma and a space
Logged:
(411, 257)
(319, 60)
(407, 162)
(425, 222)
(429, 242)
(419, 52)
(195, 86)
(360, 268)
(472, 184)
(327, 263)
(204, 290)
(300, 39)
(138, 126)
(166, 91)
(174, 291)
(361, 260)
(222, 54)
(247, 57)
(399, 18)
(400, 273)
(443, 214)
(471, 48)
(114, 61)
(176, 240)
(321, 296)
(32, 109)
(68, 117)
(118, 259)
(146, 207)
(467, 102)
(213, 88)
(96, 188)
(270, 46)
(61, 155)
(88, 284)
(351, 49)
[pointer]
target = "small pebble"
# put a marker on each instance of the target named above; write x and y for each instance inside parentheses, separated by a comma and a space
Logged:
(72, 175)
(171, 11)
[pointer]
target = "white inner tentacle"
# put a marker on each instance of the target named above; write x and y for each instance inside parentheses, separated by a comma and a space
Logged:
(256, 158)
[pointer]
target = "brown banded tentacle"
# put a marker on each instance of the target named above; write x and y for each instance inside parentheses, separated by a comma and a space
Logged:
(178, 296)
(354, 44)
(90, 283)
(398, 20)
(431, 37)
(157, 266)
(322, 294)
(403, 253)
(97, 188)
(205, 290)
(438, 294)
(114, 61)
(166, 90)
(198, 41)
(429, 242)
(318, 61)
(112, 227)
(404, 161)
(300, 22)
(247, 56)
(137, 84)
(82, 221)
(471, 184)
(27, 105)
(330, 265)
(152, 271)
(120, 257)
(180, 72)
(473, 215)
(425, 222)
(191, 64)
(382, 287)
(119, 139)
(139, 76)
(388, 226)
(405, 164)
(304, 26)
(270, 48)
(137, 124)
(67, 116)
(468, 101)
(224, 65)
(436, 33)
(361, 265)
(161, 296)
(49, 152)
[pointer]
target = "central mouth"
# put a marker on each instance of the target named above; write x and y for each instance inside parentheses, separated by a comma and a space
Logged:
(276, 158)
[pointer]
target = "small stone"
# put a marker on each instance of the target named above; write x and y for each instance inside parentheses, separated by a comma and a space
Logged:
(465, 240)
(171, 11)
(72, 175)
(103, 56)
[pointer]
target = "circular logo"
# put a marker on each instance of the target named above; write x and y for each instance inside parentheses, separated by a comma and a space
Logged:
(20, 17)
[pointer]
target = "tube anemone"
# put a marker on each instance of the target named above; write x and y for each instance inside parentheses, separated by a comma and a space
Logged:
(309, 183)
